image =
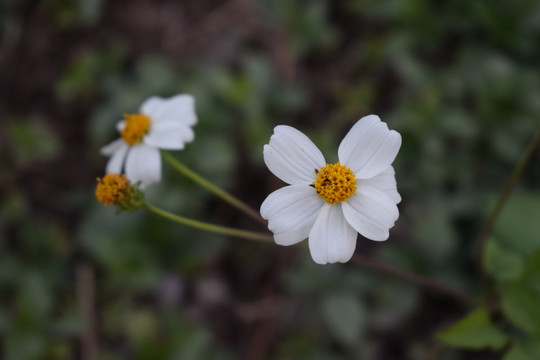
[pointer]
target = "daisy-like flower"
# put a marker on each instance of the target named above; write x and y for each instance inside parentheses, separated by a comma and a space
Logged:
(331, 203)
(160, 124)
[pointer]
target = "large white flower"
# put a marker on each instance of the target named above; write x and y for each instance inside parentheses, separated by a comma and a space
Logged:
(331, 203)
(160, 124)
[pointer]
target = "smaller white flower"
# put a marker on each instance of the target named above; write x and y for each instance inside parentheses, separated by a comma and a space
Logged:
(331, 203)
(160, 124)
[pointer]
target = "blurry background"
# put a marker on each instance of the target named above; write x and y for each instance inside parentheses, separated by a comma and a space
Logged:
(458, 79)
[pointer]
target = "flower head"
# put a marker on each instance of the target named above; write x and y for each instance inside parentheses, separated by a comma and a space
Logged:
(160, 124)
(115, 189)
(331, 203)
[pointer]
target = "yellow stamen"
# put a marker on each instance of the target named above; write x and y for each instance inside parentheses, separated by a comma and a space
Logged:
(335, 183)
(111, 189)
(137, 126)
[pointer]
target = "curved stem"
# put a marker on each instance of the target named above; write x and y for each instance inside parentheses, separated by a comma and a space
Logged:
(208, 227)
(248, 210)
(412, 277)
(508, 187)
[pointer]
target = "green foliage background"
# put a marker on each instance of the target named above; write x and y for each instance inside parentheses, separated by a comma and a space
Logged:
(458, 79)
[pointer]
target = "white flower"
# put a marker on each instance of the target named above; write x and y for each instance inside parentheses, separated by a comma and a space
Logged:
(330, 203)
(160, 124)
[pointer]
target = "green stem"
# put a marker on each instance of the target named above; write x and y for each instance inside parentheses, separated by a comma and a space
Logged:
(489, 292)
(213, 188)
(208, 227)
(509, 186)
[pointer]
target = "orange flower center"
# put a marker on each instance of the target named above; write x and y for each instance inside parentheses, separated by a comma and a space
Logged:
(335, 183)
(137, 125)
(111, 188)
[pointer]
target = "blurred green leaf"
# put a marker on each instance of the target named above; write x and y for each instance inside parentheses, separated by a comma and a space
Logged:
(474, 331)
(524, 350)
(4, 321)
(34, 301)
(86, 73)
(517, 227)
(520, 305)
(195, 346)
(80, 77)
(309, 24)
(434, 232)
(308, 276)
(532, 271)
(69, 325)
(14, 206)
(141, 326)
(394, 303)
(23, 346)
(501, 263)
(213, 157)
(32, 140)
(344, 315)
(156, 76)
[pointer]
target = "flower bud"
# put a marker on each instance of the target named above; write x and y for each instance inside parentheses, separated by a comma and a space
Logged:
(115, 189)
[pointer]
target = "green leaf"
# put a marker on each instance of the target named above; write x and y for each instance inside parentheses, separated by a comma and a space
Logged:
(516, 353)
(474, 331)
(517, 227)
(501, 263)
(520, 303)
(32, 140)
(34, 299)
(524, 350)
(532, 268)
(532, 272)
(196, 345)
(345, 317)
(141, 326)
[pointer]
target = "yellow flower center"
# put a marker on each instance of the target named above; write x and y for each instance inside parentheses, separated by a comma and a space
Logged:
(111, 188)
(137, 126)
(335, 183)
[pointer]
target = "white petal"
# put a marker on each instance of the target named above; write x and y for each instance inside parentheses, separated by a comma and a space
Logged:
(371, 212)
(143, 164)
(291, 212)
(117, 151)
(332, 239)
(169, 135)
(179, 108)
(112, 147)
(386, 182)
(292, 157)
(120, 125)
(369, 147)
(116, 162)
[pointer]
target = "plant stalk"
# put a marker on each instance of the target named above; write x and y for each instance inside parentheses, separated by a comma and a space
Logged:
(233, 201)
(209, 227)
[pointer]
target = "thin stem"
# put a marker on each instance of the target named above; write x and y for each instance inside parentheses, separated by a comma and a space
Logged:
(412, 277)
(213, 188)
(509, 186)
(208, 227)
